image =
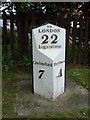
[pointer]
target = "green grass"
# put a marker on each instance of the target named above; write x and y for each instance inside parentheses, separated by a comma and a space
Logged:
(79, 75)
(10, 79)
(9, 90)
(77, 113)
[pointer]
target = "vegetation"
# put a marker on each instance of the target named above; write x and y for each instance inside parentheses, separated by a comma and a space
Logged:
(80, 75)
(9, 90)
(26, 60)
(10, 79)
(9, 63)
(77, 113)
(42, 8)
(11, 74)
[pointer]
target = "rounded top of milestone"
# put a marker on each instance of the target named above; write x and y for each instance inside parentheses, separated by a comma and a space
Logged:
(49, 29)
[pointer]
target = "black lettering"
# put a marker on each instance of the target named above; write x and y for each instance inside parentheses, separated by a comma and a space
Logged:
(39, 31)
(48, 30)
(41, 73)
(58, 30)
(45, 37)
(55, 38)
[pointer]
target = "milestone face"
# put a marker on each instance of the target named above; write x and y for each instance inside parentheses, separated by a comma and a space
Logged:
(48, 43)
(50, 39)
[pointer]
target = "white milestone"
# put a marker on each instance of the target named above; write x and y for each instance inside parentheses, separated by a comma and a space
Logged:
(48, 45)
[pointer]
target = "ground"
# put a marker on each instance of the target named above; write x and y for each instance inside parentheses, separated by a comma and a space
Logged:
(29, 104)
(19, 101)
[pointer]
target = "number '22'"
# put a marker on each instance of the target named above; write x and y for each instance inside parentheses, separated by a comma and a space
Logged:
(53, 37)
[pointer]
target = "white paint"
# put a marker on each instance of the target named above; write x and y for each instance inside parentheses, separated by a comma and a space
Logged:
(49, 60)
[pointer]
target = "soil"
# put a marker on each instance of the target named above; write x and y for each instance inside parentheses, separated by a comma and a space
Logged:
(27, 103)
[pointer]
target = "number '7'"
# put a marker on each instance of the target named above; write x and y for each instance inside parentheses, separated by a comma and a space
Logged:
(41, 73)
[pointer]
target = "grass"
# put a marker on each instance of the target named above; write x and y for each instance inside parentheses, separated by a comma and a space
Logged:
(9, 85)
(10, 79)
(80, 75)
(77, 113)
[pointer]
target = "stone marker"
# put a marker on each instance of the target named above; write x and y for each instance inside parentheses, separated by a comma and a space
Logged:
(48, 43)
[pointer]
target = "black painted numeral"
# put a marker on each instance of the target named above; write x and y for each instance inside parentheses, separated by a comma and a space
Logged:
(41, 73)
(60, 73)
(55, 38)
(45, 37)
